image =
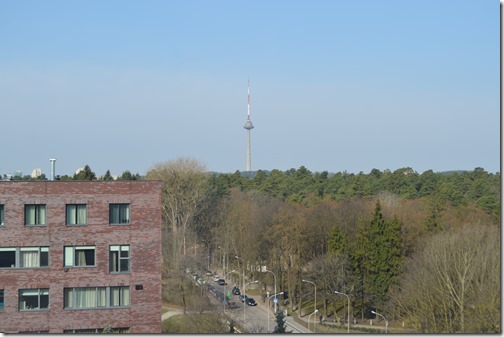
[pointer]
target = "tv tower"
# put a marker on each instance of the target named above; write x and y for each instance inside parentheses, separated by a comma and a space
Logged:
(248, 126)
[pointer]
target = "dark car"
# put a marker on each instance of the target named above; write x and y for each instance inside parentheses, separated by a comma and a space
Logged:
(243, 297)
(222, 282)
(236, 291)
(250, 301)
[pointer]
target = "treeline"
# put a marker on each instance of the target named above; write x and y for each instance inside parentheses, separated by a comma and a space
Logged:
(301, 186)
(378, 238)
(85, 174)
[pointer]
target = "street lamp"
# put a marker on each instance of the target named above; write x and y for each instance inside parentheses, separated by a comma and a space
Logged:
(223, 259)
(274, 276)
(225, 276)
(208, 247)
(348, 315)
(243, 283)
(244, 298)
(316, 310)
(386, 322)
(243, 269)
(269, 298)
(315, 303)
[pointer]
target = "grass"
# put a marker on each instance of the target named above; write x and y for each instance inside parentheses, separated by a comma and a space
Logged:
(194, 324)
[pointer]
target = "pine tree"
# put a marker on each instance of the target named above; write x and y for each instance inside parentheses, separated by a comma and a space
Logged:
(337, 243)
(359, 259)
(107, 176)
(384, 254)
(85, 174)
(280, 321)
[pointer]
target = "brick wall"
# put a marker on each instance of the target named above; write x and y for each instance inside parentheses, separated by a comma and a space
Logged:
(143, 234)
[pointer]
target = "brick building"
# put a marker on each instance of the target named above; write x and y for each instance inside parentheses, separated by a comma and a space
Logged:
(80, 256)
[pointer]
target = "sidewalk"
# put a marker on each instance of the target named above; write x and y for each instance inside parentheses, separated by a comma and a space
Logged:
(289, 320)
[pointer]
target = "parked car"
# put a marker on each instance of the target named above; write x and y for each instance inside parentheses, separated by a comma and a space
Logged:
(243, 297)
(216, 277)
(236, 291)
(250, 301)
(222, 282)
(209, 273)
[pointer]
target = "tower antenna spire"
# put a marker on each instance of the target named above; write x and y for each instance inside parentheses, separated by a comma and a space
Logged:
(248, 126)
(248, 105)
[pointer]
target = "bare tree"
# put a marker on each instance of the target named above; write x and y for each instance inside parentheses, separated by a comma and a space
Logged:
(184, 184)
(453, 286)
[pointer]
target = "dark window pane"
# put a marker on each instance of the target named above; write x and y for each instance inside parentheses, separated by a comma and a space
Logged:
(8, 259)
(44, 259)
(124, 265)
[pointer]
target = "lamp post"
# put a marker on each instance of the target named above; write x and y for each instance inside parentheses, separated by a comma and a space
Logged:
(243, 283)
(275, 290)
(348, 315)
(269, 298)
(244, 298)
(315, 302)
(243, 269)
(386, 322)
(316, 310)
(223, 259)
(208, 247)
(225, 276)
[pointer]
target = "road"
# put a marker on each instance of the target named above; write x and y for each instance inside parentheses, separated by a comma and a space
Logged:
(255, 319)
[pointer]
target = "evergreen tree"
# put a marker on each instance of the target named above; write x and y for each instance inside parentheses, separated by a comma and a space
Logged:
(280, 322)
(384, 254)
(337, 243)
(128, 176)
(85, 174)
(359, 260)
(107, 176)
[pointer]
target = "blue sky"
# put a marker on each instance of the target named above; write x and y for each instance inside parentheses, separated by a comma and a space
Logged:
(335, 85)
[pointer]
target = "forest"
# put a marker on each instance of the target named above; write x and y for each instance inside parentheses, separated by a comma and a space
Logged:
(422, 249)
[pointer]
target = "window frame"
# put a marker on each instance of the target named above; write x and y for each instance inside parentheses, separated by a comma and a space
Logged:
(40, 292)
(72, 297)
(119, 259)
(98, 330)
(74, 257)
(2, 299)
(43, 255)
(2, 215)
(121, 207)
(38, 222)
(77, 217)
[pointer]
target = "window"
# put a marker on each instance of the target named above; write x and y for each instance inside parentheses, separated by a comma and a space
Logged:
(35, 215)
(98, 330)
(2, 216)
(76, 214)
(119, 214)
(2, 305)
(33, 332)
(30, 257)
(24, 257)
(119, 259)
(119, 296)
(96, 297)
(8, 257)
(80, 256)
(33, 299)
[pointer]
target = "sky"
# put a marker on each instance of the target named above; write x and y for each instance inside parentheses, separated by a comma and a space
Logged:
(335, 85)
